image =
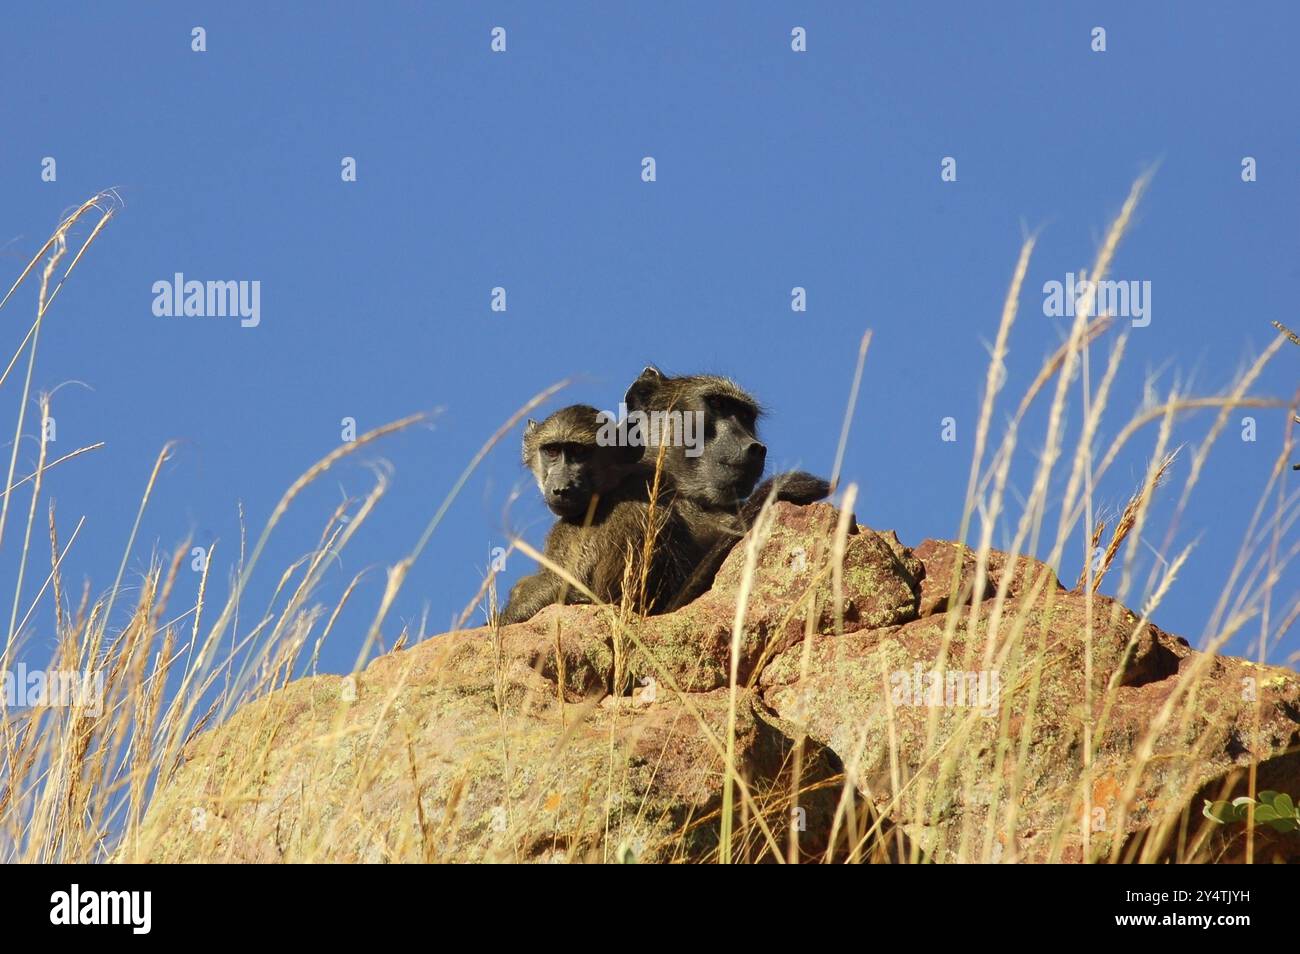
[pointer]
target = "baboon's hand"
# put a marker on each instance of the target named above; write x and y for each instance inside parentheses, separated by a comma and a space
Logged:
(795, 487)
(529, 596)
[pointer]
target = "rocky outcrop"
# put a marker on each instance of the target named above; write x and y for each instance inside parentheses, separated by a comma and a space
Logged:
(878, 712)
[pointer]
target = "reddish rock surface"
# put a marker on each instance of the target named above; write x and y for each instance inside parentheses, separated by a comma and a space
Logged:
(961, 736)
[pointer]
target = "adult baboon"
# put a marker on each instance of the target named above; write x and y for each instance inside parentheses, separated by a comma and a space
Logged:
(707, 427)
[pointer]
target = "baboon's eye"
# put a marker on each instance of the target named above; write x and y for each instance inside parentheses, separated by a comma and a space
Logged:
(579, 452)
(550, 453)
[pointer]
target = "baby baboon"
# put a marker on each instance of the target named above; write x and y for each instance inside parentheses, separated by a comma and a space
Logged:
(569, 462)
(602, 495)
(713, 455)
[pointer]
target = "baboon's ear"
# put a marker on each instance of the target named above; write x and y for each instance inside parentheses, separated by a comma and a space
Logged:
(638, 395)
(525, 453)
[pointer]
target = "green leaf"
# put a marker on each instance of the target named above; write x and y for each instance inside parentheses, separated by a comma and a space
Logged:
(1223, 812)
(1266, 813)
(1283, 805)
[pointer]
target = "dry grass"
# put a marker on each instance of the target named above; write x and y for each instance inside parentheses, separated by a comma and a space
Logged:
(75, 786)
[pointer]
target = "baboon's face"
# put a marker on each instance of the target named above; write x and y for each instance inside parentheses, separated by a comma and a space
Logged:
(566, 475)
(569, 463)
(730, 457)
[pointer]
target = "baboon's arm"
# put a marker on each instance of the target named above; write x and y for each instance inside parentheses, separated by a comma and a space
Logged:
(530, 595)
(701, 579)
(794, 487)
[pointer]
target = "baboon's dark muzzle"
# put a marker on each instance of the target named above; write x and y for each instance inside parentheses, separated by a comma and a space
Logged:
(567, 501)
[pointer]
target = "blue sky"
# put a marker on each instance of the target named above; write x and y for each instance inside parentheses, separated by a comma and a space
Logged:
(522, 170)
